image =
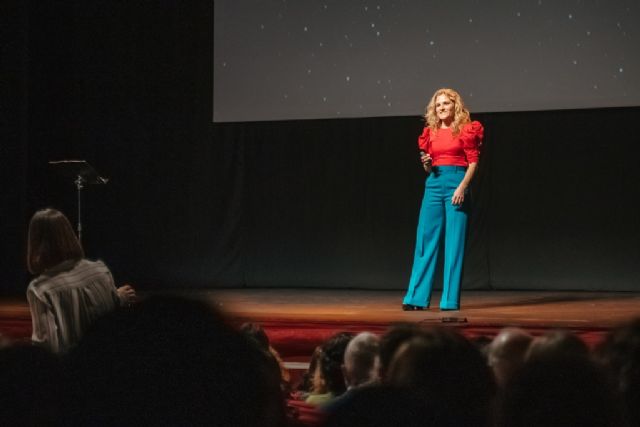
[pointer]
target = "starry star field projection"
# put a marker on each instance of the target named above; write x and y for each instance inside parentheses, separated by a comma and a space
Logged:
(301, 59)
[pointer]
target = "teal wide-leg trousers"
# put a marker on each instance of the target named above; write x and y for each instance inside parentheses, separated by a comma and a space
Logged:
(439, 219)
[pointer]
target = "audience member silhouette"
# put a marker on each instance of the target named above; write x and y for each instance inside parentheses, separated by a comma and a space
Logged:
(33, 387)
(360, 368)
(172, 361)
(620, 354)
(306, 383)
(507, 353)
(482, 343)
(559, 390)
(391, 340)
(557, 342)
(328, 379)
(257, 335)
(382, 406)
(449, 373)
(361, 360)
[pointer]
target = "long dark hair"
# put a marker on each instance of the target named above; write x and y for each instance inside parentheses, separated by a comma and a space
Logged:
(51, 241)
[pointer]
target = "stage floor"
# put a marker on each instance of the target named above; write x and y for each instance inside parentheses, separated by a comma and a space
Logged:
(297, 319)
(520, 308)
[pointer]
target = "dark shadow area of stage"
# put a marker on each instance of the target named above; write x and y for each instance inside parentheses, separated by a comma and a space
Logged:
(315, 203)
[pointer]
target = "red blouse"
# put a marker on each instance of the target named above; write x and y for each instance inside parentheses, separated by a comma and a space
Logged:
(448, 150)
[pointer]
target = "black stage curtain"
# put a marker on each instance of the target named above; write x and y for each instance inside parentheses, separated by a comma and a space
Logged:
(334, 203)
(128, 87)
(14, 140)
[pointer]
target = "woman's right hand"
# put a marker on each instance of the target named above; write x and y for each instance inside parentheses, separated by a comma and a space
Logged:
(426, 160)
(127, 294)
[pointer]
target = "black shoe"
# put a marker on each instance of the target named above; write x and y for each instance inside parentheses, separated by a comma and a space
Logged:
(411, 307)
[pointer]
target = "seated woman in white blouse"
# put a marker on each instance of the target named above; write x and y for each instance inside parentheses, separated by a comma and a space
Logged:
(69, 292)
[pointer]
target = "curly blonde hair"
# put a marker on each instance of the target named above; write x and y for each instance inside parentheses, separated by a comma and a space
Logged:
(461, 116)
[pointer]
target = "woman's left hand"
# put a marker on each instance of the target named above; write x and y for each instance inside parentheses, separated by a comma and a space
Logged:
(458, 196)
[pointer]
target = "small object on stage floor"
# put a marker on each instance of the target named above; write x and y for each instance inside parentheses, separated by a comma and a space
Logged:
(411, 307)
(453, 320)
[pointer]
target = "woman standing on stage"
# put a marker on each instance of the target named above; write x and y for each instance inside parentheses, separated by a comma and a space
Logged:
(450, 148)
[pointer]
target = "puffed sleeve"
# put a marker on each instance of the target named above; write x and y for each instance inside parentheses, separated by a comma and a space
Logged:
(424, 139)
(471, 136)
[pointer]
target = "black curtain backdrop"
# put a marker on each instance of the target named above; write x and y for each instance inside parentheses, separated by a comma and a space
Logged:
(14, 141)
(317, 203)
(126, 86)
(334, 203)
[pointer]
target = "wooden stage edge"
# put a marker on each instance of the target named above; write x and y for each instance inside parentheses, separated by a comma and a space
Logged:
(484, 312)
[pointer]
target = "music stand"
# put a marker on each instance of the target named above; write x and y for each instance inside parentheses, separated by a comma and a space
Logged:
(82, 173)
